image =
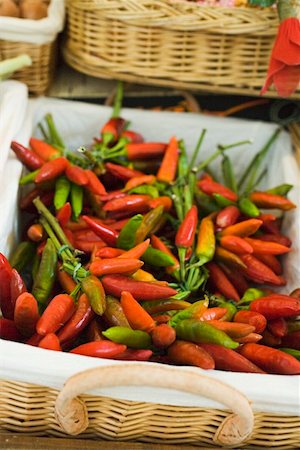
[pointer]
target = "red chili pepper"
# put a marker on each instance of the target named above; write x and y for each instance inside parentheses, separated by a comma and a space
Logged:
(106, 233)
(145, 150)
(26, 201)
(114, 266)
(244, 228)
(43, 149)
(122, 172)
(109, 252)
(136, 315)
(118, 225)
(161, 318)
(133, 136)
(236, 278)
(163, 336)
(292, 340)
(271, 360)
(132, 354)
(271, 201)
(26, 314)
(115, 284)
(221, 282)
(88, 246)
(215, 313)
(51, 169)
(227, 359)
(137, 251)
(275, 306)
(9, 331)
(278, 327)
(100, 349)
(94, 184)
(252, 318)
(264, 247)
(236, 244)
(34, 340)
(270, 223)
(129, 203)
(64, 214)
(279, 238)
(164, 201)
(187, 229)
(30, 159)
(78, 322)
(35, 232)
(227, 216)
(57, 313)
(17, 286)
(66, 281)
(6, 304)
(50, 342)
(138, 181)
(259, 272)
(168, 167)
(188, 353)
(210, 187)
(112, 130)
(94, 331)
(77, 175)
(87, 235)
(233, 329)
(271, 261)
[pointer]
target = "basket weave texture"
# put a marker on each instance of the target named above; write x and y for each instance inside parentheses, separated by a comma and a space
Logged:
(29, 409)
(39, 75)
(172, 43)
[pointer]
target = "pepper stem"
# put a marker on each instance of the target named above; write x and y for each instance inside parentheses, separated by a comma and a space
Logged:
(181, 254)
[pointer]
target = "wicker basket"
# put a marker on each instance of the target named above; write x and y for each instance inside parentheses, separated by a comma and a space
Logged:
(172, 43)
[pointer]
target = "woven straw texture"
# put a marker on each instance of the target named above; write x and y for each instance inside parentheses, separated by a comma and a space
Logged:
(172, 43)
(29, 409)
(39, 75)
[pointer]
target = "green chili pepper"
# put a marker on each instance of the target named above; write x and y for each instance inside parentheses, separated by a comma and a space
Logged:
(146, 189)
(153, 307)
(45, 277)
(282, 189)
(76, 200)
(250, 295)
(114, 314)
(291, 351)
(231, 310)
(35, 265)
(157, 258)
(126, 239)
(28, 178)
(93, 289)
(192, 312)
(247, 207)
(61, 193)
(129, 337)
(205, 202)
(201, 332)
(148, 224)
(222, 201)
(22, 255)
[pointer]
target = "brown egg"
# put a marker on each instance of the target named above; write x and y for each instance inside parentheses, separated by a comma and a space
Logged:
(9, 8)
(33, 9)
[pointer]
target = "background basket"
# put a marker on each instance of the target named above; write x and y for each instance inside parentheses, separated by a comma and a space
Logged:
(172, 43)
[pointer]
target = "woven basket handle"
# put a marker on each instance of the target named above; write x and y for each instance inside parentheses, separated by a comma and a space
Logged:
(71, 412)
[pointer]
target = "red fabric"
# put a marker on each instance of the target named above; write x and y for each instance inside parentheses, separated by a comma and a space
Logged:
(284, 67)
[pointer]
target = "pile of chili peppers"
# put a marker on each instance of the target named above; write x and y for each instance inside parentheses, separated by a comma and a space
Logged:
(133, 251)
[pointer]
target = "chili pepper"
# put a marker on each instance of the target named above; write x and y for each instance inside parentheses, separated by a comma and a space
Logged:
(34, 340)
(58, 312)
(161, 318)
(188, 353)
(194, 311)
(221, 201)
(168, 167)
(133, 136)
(271, 360)
(219, 279)
(271, 201)
(138, 181)
(99, 349)
(28, 178)
(128, 337)
(295, 293)
(148, 224)
(135, 252)
(88, 246)
(106, 233)
(93, 288)
(271, 261)
(43, 149)
(144, 150)
(134, 355)
(136, 315)
(9, 331)
(76, 200)
(50, 342)
(233, 329)
(276, 306)
(117, 225)
(94, 184)
(278, 327)
(26, 201)
(282, 189)
(26, 314)
(215, 313)
(250, 338)
(187, 229)
(63, 215)
(66, 281)
(227, 359)
(115, 284)
(109, 252)
(202, 332)
(35, 232)
(76, 175)
(247, 207)
(27, 157)
(227, 217)
(158, 244)
(206, 243)
(230, 310)
(210, 187)
(252, 318)
(226, 257)
(293, 325)
(292, 340)
(6, 304)
(269, 339)
(251, 294)
(115, 266)
(163, 336)
(236, 278)
(122, 172)
(129, 203)
(280, 239)
(126, 238)
(78, 322)
(46, 274)
(62, 190)
(259, 272)
(243, 229)
(264, 247)
(156, 258)
(154, 307)
(17, 286)
(142, 275)
(236, 244)
(163, 201)
(112, 130)
(114, 314)
(205, 202)
(51, 170)
(291, 351)
(87, 235)
(93, 331)
(22, 255)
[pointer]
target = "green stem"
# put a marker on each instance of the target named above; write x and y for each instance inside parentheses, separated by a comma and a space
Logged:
(177, 202)
(196, 151)
(118, 100)
(181, 254)
(65, 254)
(28, 178)
(55, 137)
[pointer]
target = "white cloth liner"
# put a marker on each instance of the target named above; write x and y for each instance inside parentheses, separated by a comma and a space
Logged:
(78, 123)
(39, 32)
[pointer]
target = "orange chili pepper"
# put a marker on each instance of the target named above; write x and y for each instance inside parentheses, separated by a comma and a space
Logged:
(164, 201)
(145, 150)
(210, 187)
(137, 251)
(136, 315)
(137, 181)
(228, 258)
(221, 282)
(236, 244)
(233, 329)
(271, 201)
(168, 167)
(51, 170)
(129, 203)
(244, 228)
(35, 232)
(109, 252)
(252, 318)
(50, 342)
(115, 266)
(77, 175)
(206, 243)
(163, 335)
(57, 313)
(66, 281)
(264, 247)
(188, 353)
(43, 149)
(26, 314)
